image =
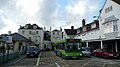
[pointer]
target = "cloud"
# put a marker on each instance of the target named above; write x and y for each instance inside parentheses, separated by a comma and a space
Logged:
(45, 13)
(76, 11)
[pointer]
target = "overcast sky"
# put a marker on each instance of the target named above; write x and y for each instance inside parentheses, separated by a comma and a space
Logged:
(46, 13)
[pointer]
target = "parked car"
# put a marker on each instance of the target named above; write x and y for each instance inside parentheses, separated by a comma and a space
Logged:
(45, 49)
(105, 53)
(32, 51)
(86, 52)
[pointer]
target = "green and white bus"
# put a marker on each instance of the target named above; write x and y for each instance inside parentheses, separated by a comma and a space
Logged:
(68, 48)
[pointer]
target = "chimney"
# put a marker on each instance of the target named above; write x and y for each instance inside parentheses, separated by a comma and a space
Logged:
(9, 33)
(72, 27)
(83, 22)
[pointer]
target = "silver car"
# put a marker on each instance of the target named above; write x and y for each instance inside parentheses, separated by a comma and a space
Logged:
(86, 52)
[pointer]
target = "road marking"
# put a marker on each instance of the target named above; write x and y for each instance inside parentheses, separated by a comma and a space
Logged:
(8, 64)
(59, 58)
(103, 65)
(57, 64)
(38, 60)
(62, 61)
(86, 63)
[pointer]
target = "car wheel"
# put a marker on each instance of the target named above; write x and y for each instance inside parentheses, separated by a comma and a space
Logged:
(105, 56)
(95, 55)
(27, 56)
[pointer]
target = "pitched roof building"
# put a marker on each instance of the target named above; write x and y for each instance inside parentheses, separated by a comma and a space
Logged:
(70, 33)
(33, 32)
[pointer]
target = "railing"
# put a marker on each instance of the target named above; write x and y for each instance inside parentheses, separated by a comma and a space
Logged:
(8, 56)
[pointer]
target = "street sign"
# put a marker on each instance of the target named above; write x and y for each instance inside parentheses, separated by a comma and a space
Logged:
(8, 39)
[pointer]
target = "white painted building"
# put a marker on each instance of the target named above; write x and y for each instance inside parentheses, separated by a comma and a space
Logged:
(109, 19)
(33, 33)
(56, 35)
(110, 25)
(90, 34)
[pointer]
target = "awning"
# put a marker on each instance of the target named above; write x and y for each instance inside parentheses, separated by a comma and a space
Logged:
(109, 19)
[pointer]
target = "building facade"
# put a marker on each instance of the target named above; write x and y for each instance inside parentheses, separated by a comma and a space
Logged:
(47, 40)
(90, 34)
(110, 25)
(69, 33)
(32, 32)
(104, 32)
(56, 35)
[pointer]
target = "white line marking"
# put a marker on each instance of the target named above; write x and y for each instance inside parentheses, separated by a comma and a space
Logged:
(57, 64)
(86, 63)
(38, 60)
(104, 65)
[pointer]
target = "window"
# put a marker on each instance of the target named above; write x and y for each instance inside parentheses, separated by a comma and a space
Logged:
(53, 33)
(84, 28)
(115, 26)
(30, 32)
(37, 32)
(108, 9)
(23, 32)
(93, 26)
(34, 27)
(111, 8)
(57, 33)
(29, 38)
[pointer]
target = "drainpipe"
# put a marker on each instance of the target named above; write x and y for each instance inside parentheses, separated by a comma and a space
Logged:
(86, 44)
(116, 46)
(101, 44)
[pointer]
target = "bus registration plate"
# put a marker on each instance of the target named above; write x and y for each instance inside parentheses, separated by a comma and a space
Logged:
(73, 57)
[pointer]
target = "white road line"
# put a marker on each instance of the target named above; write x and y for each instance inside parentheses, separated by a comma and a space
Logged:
(62, 61)
(57, 64)
(104, 65)
(38, 60)
(86, 63)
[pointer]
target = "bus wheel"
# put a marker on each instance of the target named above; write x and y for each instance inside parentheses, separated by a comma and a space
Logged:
(78, 58)
(61, 55)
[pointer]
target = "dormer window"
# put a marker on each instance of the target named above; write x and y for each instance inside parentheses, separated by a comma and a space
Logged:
(93, 26)
(84, 28)
(25, 27)
(34, 27)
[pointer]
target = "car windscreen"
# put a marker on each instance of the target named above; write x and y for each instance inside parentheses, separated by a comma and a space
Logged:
(32, 49)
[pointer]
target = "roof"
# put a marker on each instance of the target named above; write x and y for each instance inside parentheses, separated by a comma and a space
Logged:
(71, 31)
(111, 18)
(29, 26)
(18, 37)
(117, 1)
(55, 30)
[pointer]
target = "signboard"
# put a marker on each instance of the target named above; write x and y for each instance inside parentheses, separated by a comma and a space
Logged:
(73, 40)
(8, 39)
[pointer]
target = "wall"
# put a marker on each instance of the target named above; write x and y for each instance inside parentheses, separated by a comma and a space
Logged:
(94, 34)
(103, 15)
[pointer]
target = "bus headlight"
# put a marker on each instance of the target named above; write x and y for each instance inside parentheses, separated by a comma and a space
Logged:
(66, 55)
(80, 54)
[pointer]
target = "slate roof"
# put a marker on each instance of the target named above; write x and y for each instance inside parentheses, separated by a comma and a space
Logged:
(71, 31)
(18, 37)
(117, 1)
(29, 26)
(111, 18)
(55, 30)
